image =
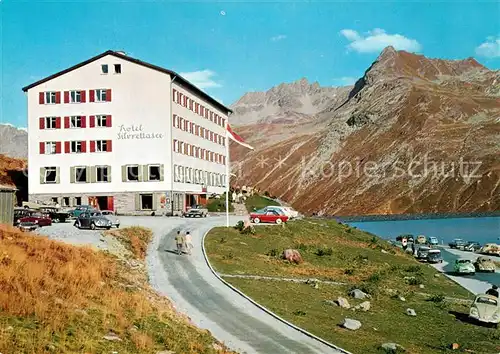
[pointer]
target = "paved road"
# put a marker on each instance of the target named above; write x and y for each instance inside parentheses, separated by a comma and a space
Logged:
(195, 291)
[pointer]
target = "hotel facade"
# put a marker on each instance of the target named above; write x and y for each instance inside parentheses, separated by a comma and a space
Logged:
(125, 135)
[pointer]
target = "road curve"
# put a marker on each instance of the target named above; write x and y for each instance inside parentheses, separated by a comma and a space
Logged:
(197, 292)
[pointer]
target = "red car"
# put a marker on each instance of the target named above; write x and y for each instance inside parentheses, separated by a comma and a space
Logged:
(268, 216)
(38, 218)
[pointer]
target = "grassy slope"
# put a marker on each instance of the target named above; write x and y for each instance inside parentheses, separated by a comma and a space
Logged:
(258, 202)
(61, 298)
(357, 259)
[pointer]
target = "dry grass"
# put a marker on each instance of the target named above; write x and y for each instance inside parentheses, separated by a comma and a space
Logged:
(8, 164)
(61, 298)
(135, 239)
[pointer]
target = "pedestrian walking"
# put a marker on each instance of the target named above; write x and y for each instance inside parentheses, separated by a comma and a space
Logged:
(179, 241)
(189, 242)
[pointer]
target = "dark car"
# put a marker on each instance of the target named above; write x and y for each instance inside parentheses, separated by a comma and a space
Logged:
(457, 243)
(80, 209)
(55, 213)
(93, 219)
(36, 217)
(434, 256)
(422, 252)
(472, 246)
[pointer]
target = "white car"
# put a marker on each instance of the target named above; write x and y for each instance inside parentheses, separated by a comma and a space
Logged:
(110, 215)
(433, 241)
(283, 210)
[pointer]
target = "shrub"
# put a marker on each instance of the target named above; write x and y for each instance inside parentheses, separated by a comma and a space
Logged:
(349, 271)
(414, 269)
(222, 240)
(374, 239)
(437, 298)
(239, 225)
(374, 278)
(230, 255)
(301, 246)
(272, 253)
(320, 252)
(299, 313)
(266, 193)
(415, 281)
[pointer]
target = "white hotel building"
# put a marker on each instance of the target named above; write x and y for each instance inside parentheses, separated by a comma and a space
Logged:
(121, 134)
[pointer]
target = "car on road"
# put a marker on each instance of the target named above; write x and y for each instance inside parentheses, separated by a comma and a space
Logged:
(434, 256)
(464, 266)
(422, 252)
(433, 241)
(457, 243)
(491, 249)
(110, 215)
(421, 240)
(472, 246)
(93, 220)
(56, 214)
(36, 217)
(267, 216)
(486, 309)
(283, 210)
(485, 264)
(27, 226)
(80, 209)
(197, 211)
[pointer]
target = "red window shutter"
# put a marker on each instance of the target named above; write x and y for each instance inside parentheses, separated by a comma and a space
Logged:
(92, 145)
(42, 148)
(58, 97)
(185, 101)
(58, 123)
(108, 121)
(84, 122)
(66, 122)
(175, 145)
(66, 147)
(91, 95)
(58, 147)
(41, 97)
(173, 119)
(82, 96)
(108, 95)
(92, 121)
(174, 95)
(223, 122)
(109, 146)
(66, 96)
(84, 146)
(41, 122)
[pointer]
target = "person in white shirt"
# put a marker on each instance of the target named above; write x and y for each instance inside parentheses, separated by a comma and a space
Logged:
(189, 242)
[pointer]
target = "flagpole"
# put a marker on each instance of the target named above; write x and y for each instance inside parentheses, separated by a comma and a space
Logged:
(227, 181)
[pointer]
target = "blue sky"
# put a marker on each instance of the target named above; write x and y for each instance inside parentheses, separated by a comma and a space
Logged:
(231, 48)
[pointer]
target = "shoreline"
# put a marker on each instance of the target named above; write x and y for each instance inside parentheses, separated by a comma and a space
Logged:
(398, 217)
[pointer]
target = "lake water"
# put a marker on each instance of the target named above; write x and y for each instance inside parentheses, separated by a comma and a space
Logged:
(481, 229)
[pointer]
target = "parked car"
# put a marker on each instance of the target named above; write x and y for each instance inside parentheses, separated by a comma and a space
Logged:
(80, 209)
(422, 252)
(110, 215)
(27, 226)
(434, 256)
(55, 213)
(196, 211)
(421, 240)
(457, 243)
(267, 216)
(93, 220)
(464, 266)
(433, 241)
(486, 309)
(36, 217)
(472, 246)
(490, 249)
(485, 264)
(20, 213)
(283, 210)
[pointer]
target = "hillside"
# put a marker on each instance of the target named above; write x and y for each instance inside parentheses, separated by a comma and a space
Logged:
(372, 146)
(13, 141)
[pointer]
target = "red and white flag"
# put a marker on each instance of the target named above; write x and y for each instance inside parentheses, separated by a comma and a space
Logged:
(235, 137)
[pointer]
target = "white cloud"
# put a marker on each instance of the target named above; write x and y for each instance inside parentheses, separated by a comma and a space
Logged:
(490, 48)
(202, 78)
(378, 39)
(344, 81)
(13, 126)
(279, 37)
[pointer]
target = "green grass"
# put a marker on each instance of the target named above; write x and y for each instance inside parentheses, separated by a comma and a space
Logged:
(219, 205)
(341, 253)
(258, 202)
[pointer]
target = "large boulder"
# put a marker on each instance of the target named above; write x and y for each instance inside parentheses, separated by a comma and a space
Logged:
(293, 256)
(342, 302)
(359, 294)
(351, 324)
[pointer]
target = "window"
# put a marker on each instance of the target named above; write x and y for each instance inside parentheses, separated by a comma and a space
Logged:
(50, 122)
(102, 120)
(102, 174)
(118, 68)
(50, 175)
(50, 97)
(104, 68)
(65, 201)
(76, 146)
(50, 147)
(101, 145)
(78, 200)
(81, 174)
(133, 173)
(154, 173)
(186, 174)
(146, 201)
(76, 122)
(75, 97)
(101, 95)
(54, 200)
